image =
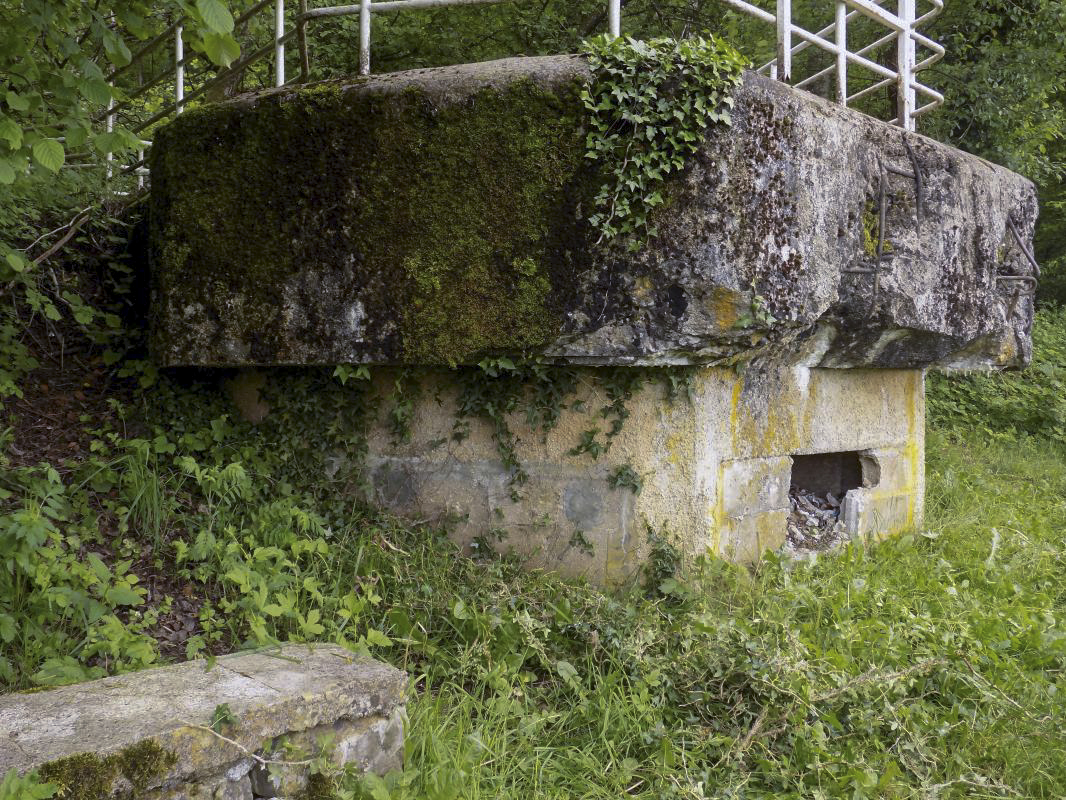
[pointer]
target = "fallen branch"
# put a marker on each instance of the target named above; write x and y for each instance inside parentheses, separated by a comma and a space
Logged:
(1001, 693)
(44, 236)
(874, 676)
(75, 224)
(754, 730)
(265, 762)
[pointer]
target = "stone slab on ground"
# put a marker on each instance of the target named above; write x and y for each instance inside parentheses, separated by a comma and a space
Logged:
(308, 694)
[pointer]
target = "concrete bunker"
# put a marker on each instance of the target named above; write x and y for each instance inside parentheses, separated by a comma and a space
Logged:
(775, 346)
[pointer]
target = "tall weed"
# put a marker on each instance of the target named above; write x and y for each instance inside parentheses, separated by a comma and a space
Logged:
(1007, 405)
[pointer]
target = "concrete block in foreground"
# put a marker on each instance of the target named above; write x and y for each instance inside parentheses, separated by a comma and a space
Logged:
(146, 733)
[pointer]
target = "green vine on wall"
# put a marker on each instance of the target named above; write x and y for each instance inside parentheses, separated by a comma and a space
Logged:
(499, 388)
(650, 104)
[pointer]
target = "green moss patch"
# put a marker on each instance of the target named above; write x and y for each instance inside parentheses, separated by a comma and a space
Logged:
(455, 224)
(87, 776)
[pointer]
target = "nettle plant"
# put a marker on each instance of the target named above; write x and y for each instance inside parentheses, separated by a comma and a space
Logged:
(650, 105)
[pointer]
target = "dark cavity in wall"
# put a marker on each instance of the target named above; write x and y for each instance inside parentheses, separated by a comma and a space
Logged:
(818, 495)
(827, 473)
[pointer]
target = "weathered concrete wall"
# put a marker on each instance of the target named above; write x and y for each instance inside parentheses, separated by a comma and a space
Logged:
(715, 467)
(433, 216)
(147, 731)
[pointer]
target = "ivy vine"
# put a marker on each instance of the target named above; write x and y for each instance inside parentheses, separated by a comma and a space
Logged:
(500, 387)
(649, 105)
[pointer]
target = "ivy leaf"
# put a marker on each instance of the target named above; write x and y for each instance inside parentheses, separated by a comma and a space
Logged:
(11, 133)
(221, 48)
(215, 16)
(49, 154)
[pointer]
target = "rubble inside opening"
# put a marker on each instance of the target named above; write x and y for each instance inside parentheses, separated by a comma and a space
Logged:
(817, 495)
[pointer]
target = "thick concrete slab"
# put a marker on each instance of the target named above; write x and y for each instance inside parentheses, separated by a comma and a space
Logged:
(296, 691)
(434, 216)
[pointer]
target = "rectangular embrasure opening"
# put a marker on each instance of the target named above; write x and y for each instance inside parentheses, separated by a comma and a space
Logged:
(827, 473)
(817, 492)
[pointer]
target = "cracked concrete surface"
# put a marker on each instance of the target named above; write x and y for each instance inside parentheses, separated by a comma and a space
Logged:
(293, 689)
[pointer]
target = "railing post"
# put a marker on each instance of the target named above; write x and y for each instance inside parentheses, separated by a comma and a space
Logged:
(364, 37)
(110, 124)
(784, 40)
(279, 43)
(905, 66)
(179, 70)
(614, 18)
(842, 52)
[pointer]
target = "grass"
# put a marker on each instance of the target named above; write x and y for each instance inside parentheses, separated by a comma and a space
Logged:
(930, 665)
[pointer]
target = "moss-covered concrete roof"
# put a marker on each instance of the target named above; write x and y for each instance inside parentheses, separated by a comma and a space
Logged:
(436, 216)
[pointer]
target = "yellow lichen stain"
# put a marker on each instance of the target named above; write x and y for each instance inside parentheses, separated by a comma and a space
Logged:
(770, 530)
(642, 288)
(718, 511)
(734, 411)
(614, 572)
(723, 306)
(911, 451)
(1008, 351)
(780, 432)
(674, 454)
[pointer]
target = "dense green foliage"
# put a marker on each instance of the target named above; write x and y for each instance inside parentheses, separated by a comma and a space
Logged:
(854, 676)
(60, 67)
(931, 665)
(650, 105)
(1011, 405)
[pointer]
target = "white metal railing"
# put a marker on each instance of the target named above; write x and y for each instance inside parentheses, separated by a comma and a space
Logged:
(792, 39)
(902, 30)
(282, 36)
(366, 8)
